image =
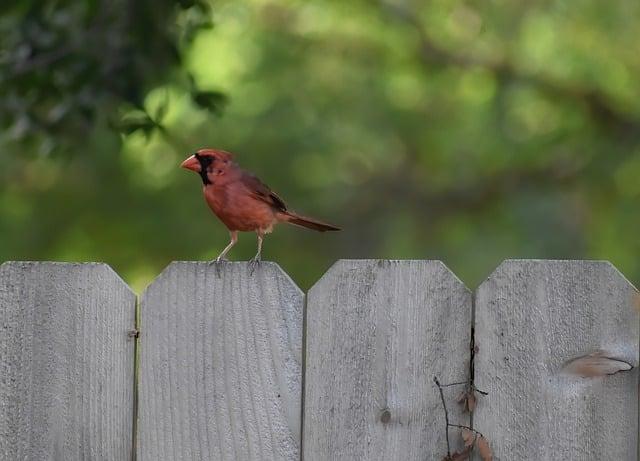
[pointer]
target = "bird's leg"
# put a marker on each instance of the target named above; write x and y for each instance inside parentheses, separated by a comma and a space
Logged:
(258, 257)
(221, 256)
(234, 240)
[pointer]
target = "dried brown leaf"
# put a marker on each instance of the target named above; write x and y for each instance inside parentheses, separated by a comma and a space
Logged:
(468, 437)
(471, 401)
(467, 398)
(597, 363)
(483, 449)
(459, 455)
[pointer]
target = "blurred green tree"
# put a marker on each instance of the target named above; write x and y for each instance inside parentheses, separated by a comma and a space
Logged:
(464, 131)
(66, 64)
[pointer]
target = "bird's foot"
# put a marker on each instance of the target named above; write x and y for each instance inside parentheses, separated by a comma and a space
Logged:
(254, 263)
(218, 262)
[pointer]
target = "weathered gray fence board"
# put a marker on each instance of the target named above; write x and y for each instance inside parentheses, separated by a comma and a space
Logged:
(377, 334)
(66, 362)
(220, 374)
(532, 317)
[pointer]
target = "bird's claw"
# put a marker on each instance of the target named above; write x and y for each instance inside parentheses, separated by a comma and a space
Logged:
(254, 263)
(218, 262)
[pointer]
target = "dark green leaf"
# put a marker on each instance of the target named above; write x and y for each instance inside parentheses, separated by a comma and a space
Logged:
(214, 101)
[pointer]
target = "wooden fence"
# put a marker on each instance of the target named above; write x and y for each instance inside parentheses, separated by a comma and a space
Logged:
(234, 365)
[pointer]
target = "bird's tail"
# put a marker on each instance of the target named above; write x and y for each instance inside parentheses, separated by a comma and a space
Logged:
(309, 223)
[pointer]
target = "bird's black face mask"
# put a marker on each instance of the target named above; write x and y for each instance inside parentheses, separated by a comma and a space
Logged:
(205, 162)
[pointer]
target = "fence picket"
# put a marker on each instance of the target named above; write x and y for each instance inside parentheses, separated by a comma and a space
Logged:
(66, 362)
(220, 356)
(531, 318)
(377, 334)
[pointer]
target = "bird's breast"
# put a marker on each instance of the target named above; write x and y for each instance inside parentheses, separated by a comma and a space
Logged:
(238, 209)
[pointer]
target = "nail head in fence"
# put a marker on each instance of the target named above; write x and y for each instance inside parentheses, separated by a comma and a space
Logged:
(66, 362)
(377, 333)
(220, 356)
(532, 317)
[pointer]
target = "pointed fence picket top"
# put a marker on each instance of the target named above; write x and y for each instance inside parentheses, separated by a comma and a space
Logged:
(66, 362)
(377, 333)
(532, 317)
(220, 364)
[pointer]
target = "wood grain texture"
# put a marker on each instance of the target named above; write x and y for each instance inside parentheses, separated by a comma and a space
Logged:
(220, 375)
(66, 362)
(531, 318)
(377, 334)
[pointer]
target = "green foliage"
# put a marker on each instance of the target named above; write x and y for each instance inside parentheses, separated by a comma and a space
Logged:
(66, 64)
(464, 131)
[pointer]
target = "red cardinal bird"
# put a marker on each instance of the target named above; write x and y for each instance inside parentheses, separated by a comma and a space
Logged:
(241, 201)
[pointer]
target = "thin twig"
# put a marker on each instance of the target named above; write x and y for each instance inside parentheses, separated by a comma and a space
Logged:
(460, 426)
(454, 384)
(479, 391)
(446, 414)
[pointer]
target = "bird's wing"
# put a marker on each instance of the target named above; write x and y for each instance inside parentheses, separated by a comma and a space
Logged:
(262, 192)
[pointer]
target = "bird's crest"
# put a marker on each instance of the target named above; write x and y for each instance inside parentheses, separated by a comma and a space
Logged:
(218, 154)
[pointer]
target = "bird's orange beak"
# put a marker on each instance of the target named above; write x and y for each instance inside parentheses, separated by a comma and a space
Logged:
(191, 163)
